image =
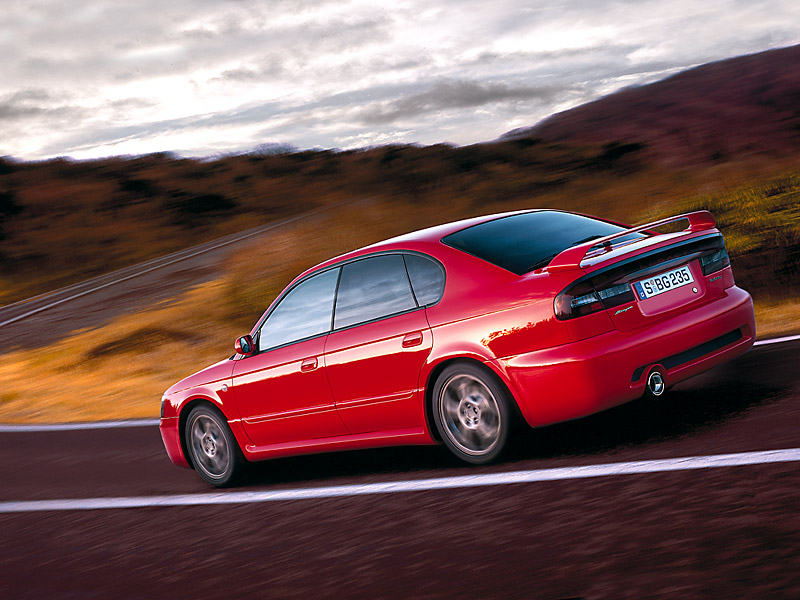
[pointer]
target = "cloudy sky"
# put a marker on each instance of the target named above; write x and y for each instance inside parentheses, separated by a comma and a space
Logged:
(204, 77)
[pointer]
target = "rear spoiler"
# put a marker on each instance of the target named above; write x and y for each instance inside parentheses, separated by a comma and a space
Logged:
(571, 258)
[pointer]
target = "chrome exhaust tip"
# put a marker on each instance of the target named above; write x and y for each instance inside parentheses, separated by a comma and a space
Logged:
(655, 383)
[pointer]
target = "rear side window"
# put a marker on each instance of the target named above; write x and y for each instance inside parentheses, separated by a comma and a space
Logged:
(427, 278)
(528, 241)
(372, 288)
(304, 312)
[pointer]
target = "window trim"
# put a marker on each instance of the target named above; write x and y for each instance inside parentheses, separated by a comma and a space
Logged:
(340, 265)
(433, 259)
(380, 318)
(438, 264)
(260, 324)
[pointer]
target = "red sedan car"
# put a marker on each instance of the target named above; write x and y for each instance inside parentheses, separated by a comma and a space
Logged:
(450, 333)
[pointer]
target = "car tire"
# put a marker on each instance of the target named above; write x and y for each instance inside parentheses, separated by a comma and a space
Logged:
(472, 412)
(213, 450)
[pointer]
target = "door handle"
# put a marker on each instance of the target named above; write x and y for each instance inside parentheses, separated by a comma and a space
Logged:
(412, 339)
(308, 364)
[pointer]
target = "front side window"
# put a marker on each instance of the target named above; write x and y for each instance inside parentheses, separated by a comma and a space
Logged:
(372, 288)
(304, 312)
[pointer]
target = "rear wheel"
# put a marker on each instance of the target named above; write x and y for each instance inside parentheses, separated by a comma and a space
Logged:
(213, 450)
(471, 411)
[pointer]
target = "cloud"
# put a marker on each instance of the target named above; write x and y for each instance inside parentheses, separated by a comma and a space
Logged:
(270, 66)
(446, 95)
(26, 95)
(239, 74)
(36, 103)
(203, 75)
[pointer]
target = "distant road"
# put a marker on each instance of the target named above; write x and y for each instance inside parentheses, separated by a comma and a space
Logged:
(724, 532)
(39, 320)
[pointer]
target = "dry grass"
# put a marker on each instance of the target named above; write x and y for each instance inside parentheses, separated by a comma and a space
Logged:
(761, 223)
(63, 222)
(119, 371)
(777, 318)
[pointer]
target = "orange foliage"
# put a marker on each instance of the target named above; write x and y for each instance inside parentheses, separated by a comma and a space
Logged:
(63, 221)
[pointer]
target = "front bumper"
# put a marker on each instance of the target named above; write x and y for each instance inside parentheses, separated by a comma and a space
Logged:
(585, 377)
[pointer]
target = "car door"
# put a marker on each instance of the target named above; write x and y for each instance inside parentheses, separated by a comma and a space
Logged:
(380, 341)
(281, 391)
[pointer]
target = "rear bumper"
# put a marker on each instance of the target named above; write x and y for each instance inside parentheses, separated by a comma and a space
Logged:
(581, 378)
(170, 434)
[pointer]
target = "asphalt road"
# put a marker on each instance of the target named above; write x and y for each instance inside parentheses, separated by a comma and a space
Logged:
(729, 532)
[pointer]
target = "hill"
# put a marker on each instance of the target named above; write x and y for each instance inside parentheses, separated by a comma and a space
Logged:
(741, 107)
(723, 126)
(62, 221)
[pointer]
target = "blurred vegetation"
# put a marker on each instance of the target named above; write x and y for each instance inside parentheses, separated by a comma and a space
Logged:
(63, 221)
(761, 224)
(121, 369)
(118, 371)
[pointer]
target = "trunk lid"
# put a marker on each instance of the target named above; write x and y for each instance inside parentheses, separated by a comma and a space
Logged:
(647, 279)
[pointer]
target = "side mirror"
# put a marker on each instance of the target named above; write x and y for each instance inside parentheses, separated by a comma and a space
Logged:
(244, 345)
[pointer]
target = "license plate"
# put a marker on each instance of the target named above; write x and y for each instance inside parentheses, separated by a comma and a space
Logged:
(653, 286)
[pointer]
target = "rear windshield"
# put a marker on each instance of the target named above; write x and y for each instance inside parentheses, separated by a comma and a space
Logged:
(528, 241)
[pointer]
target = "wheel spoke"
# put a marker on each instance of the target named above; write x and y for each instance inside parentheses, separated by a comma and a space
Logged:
(215, 464)
(450, 406)
(486, 432)
(476, 441)
(452, 395)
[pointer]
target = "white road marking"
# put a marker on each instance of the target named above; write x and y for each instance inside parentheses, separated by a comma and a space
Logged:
(789, 338)
(414, 485)
(78, 426)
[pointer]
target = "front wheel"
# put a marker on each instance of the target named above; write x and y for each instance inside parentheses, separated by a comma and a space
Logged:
(213, 450)
(471, 411)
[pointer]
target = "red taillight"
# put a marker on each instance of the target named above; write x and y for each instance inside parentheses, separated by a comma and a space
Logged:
(715, 262)
(579, 300)
(583, 299)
